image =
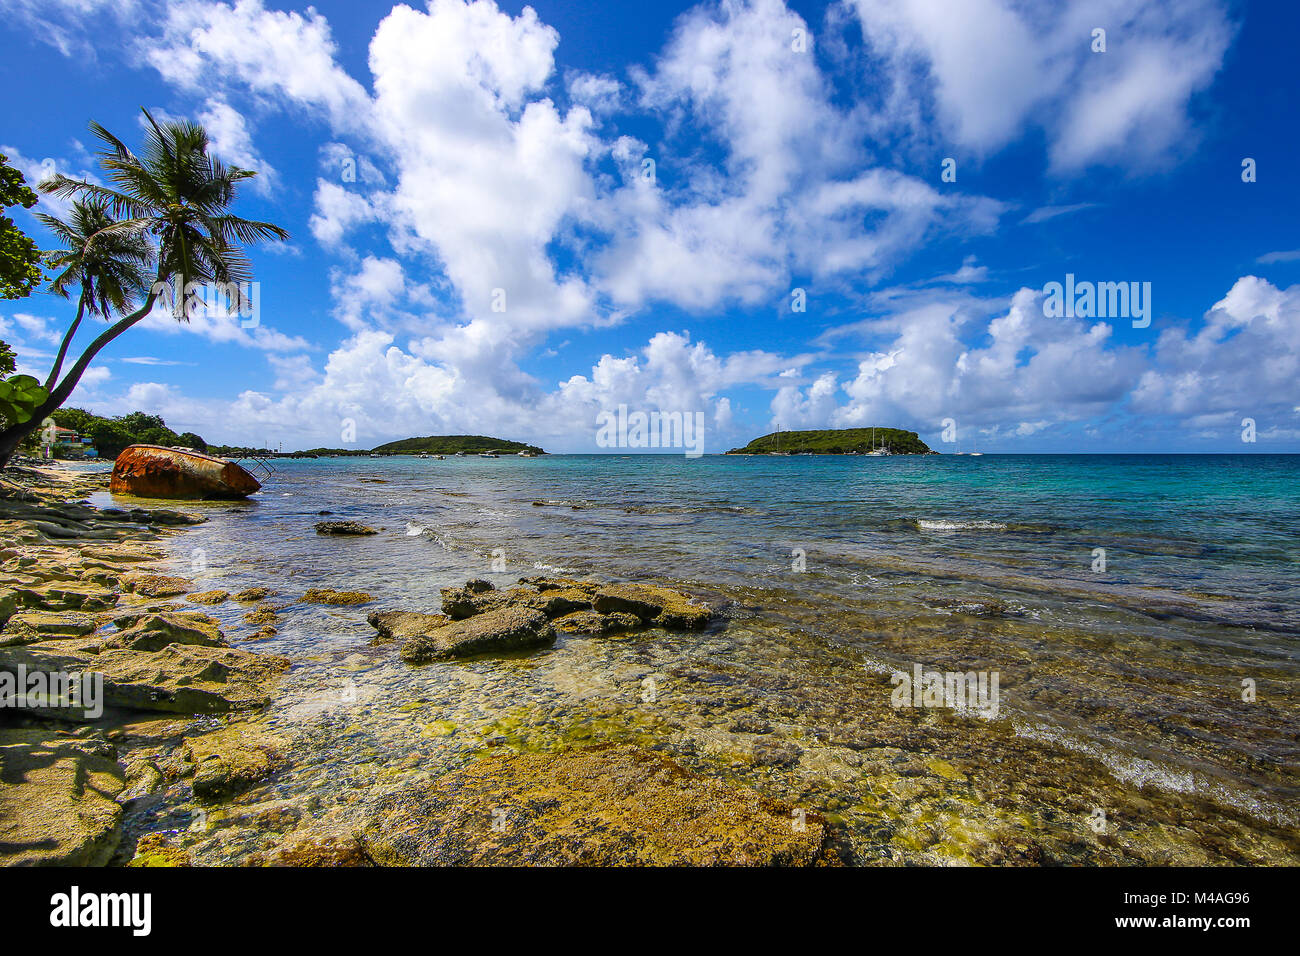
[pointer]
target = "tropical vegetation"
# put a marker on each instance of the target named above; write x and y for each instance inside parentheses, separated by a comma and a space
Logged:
(837, 441)
(111, 435)
(161, 227)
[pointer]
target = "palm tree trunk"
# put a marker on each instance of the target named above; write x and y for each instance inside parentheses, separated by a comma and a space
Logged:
(63, 346)
(12, 437)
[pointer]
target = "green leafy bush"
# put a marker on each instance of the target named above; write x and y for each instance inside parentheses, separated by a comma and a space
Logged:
(20, 396)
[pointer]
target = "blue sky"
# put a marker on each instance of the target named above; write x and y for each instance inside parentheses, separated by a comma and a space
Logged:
(500, 154)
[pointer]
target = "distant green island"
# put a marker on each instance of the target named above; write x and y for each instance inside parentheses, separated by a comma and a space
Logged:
(84, 432)
(837, 441)
(436, 445)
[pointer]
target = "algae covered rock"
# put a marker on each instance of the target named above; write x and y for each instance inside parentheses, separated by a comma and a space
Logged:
(403, 625)
(476, 597)
(58, 803)
(230, 760)
(344, 528)
(653, 605)
(153, 632)
(157, 585)
(208, 597)
(179, 678)
(309, 850)
(27, 627)
(56, 597)
(606, 806)
(506, 629)
(156, 850)
(262, 614)
(330, 596)
(478, 618)
(594, 624)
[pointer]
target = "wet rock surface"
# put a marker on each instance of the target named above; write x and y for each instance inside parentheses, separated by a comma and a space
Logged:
(330, 596)
(344, 528)
(157, 585)
(404, 625)
(608, 806)
(208, 597)
(153, 632)
(509, 628)
(479, 619)
(228, 761)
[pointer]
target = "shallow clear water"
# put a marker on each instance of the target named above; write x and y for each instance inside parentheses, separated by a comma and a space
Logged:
(833, 571)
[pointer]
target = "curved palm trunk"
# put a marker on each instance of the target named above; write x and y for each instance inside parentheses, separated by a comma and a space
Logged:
(13, 436)
(63, 346)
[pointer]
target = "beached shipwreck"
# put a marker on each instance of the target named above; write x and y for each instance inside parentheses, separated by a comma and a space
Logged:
(152, 471)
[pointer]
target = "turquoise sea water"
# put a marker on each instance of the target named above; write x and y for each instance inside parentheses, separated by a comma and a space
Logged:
(831, 572)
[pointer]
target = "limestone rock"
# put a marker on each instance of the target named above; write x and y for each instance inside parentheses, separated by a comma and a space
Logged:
(344, 528)
(403, 625)
(262, 614)
(662, 606)
(330, 596)
(156, 585)
(179, 678)
(27, 627)
(208, 597)
(153, 632)
(58, 803)
(594, 624)
(606, 806)
(229, 761)
(507, 629)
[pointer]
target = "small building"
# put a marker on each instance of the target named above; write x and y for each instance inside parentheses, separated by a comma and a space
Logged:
(60, 442)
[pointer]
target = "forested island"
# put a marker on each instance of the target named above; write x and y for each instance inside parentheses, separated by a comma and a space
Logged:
(837, 441)
(109, 436)
(437, 445)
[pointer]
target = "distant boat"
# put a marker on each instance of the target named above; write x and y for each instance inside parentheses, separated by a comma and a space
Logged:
(975, 444)
(489, 454)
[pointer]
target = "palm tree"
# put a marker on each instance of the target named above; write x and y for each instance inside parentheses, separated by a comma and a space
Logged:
(174, 195)
(108, 266)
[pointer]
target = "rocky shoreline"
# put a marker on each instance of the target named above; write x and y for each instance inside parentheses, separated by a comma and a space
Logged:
(93, 654)
(83, 591)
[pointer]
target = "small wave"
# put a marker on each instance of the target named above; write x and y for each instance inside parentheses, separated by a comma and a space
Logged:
(942, 524)
(550, 568)
(413, 529)
(661, 509)
(1148, 773)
